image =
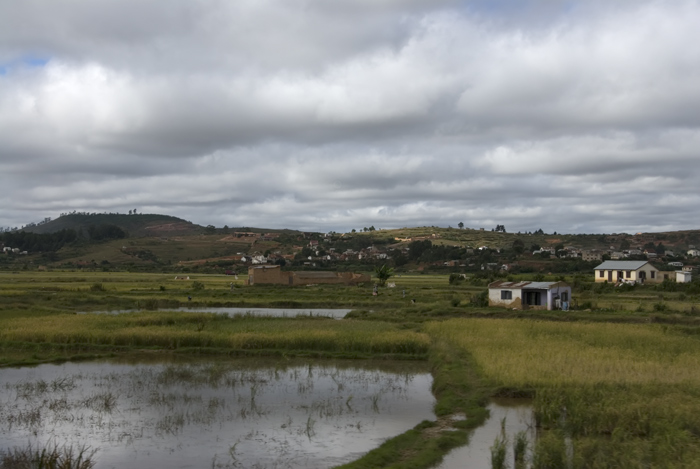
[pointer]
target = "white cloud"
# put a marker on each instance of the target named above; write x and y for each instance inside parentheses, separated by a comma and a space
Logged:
(560, 115)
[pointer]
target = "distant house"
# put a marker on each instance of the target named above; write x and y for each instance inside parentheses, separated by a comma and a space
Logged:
(592, 256)
(683, 276)
(273, 275)
(693, 253)
(530, 295)
(627, 271)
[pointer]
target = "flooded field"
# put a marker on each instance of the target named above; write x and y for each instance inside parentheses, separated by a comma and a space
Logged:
(258, 312)
(507, 418)
(232, 413)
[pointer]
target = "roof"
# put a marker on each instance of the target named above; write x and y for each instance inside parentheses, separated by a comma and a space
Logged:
(527, 285)
(302, 274)
(621, 265)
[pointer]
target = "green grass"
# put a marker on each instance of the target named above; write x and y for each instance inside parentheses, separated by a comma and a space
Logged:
(630, 388)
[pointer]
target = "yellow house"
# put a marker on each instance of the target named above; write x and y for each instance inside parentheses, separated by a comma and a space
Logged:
(627, 271)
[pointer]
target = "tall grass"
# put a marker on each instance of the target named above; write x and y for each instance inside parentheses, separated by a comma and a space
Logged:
(178, 330)
(49, 457)
(606, 395)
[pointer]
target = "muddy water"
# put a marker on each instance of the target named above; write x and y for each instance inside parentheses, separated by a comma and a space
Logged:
(477, 454)
(213, 414)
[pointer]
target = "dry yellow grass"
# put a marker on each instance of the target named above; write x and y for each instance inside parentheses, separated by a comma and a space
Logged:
(529, 353)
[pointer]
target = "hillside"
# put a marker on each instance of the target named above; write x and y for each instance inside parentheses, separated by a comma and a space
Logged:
(137, 225)
(166, 242)
(467, 237)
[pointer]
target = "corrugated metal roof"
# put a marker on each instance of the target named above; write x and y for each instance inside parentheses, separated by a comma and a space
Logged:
(541, 285)
(526, 285)
(621, 265)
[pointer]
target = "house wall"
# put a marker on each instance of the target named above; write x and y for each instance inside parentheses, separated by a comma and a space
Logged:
(683, 277)
(273, 275)
(495, 298)
(634, 275)
(268, 275)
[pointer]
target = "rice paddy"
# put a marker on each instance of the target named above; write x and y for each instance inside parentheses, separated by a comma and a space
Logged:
(215, 413)
(609, 387)
(625, 395)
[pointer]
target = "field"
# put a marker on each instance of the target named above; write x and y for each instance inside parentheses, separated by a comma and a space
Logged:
(614, 384)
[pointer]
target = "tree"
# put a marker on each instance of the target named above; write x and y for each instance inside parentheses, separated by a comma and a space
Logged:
(461, 225)
(518, 246)
(383, 274)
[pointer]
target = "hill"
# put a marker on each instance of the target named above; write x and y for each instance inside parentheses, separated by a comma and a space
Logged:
(137, 225)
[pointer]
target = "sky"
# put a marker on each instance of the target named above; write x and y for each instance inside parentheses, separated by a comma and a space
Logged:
(328, 115)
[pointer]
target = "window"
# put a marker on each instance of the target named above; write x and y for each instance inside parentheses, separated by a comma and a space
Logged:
(506, 295)
(653, 274)
(628, 274)
(565, 296)
(601, 274)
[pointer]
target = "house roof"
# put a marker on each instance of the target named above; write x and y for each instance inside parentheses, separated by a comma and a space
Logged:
(621, 265)
(526, 285)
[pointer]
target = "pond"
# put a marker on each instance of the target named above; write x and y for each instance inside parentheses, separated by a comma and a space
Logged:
(268, 312)
(217, 413)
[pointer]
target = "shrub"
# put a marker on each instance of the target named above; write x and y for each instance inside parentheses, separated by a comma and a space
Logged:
(480, 300)
(197, 285)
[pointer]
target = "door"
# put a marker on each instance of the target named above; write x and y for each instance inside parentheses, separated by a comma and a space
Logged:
(610, 276)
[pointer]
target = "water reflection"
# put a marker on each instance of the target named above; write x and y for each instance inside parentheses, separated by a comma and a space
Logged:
(214, 413)
(518, 417)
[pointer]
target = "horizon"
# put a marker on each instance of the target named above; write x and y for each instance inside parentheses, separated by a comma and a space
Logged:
(357, 230)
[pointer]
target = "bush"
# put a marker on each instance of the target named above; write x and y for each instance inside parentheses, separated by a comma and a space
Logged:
(97, 287)
(456, 279)
(481, 300)
(197, 285)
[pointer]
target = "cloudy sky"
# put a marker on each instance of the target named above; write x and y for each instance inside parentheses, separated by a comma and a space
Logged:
(571, 116)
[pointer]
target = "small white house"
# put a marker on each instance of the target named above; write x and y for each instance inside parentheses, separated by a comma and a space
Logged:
(526, 295)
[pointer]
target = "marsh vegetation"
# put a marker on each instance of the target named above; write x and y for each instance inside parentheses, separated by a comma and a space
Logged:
(612, 385)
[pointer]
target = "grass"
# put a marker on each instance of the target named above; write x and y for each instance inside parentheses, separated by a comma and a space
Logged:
(49, 457)
(172, 330)
(618, 384)
(626, 395)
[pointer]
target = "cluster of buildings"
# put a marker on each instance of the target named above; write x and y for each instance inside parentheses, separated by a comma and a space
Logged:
(557, 295)
(10, 250)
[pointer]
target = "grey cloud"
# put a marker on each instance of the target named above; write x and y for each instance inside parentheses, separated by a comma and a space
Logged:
(577, 116)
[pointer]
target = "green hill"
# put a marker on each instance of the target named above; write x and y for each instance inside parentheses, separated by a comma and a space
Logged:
(137, 225)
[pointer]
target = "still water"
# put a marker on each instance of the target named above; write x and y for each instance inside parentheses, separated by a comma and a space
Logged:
(217, 413)
(509, 415)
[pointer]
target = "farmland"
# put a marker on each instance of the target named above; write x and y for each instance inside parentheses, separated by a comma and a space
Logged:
(616, 379)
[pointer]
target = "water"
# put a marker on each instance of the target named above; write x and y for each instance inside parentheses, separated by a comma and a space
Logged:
(269, 312)
(518, 417)
(233, 413)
